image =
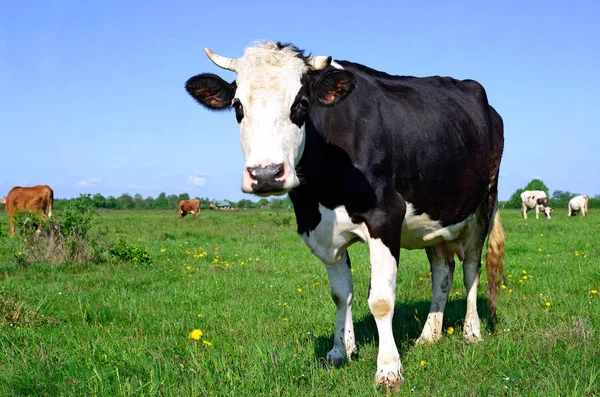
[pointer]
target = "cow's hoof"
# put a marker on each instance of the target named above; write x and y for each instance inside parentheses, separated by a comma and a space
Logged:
(390, 377)
(427, 339)
(472, 331)
(336, 357)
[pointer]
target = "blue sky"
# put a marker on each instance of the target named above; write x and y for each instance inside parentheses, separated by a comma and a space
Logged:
(92, 96)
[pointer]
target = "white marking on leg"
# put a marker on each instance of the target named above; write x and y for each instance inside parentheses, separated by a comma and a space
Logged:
(442, 272)
(472, 327)
(340, 279)
(382, 297)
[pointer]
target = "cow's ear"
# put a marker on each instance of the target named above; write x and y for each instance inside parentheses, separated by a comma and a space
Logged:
(333, 86)
(211, 91)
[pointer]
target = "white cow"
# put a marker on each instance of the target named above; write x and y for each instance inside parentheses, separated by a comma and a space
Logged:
(578, 203)
(537, 199)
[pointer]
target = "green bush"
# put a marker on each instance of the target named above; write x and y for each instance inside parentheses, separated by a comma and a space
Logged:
(126, 252)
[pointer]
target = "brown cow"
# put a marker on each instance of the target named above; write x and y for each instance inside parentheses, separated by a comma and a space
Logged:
(189, 207)
(31, 199)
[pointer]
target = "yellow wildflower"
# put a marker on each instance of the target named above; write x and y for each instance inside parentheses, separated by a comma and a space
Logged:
(450, 330)
(524, 277)
(548, 304)
(539, 249)
(24, 240)
(207, 343)
(195, 334)
(576, 253)
(19, 253)
(284, 319)
(510, 291)
(524, 272)
(420, 278)
(594, 291)
(299, 290)
(163, 250)
(503, 286)
(200, 315)
(542, 235)
(423, 363)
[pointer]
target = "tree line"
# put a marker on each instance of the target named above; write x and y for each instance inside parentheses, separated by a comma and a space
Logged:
(168, 202)
(558, 199)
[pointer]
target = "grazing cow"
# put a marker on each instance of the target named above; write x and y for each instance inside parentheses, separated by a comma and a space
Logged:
(392, 161)
(537, 199)
(578, 203)
(188, 207)
(31, 199)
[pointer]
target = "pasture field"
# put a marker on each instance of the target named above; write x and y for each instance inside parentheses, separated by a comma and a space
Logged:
(262, 303)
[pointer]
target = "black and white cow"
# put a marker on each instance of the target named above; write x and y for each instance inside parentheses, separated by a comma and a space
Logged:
(393, 161)
(535, 199)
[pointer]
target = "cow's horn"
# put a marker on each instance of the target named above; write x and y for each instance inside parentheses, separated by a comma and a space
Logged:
(319, 62)
(221, 61)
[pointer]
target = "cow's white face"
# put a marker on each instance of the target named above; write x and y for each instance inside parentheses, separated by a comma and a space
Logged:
(268, 93)
(271, 98)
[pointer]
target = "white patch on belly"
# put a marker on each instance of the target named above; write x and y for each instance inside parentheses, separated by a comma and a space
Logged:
(334, 234)
(420, 231)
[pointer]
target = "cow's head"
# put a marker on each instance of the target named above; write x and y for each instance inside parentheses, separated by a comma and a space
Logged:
(274, 90)
(543, 202)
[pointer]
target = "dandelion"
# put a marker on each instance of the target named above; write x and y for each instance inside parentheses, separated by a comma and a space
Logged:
(539, 249)
(317, 283)
(299, 290)
(257, 259)
(510, 291)
(163, 250)
(207, 343)
(423, 363)
(457, 293)
(195, 334)
(548, 304)
(542, 235)
(450, 330)
(576, 253)
(200, 315)
(420, 278)
(24, 240)
(524, 277)
(524, 272)
(503, 286)
(585, 256)
(19, 253)
(284, 319)
(594, 292)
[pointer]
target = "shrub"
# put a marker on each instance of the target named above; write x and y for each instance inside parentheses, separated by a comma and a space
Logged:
(126, 252)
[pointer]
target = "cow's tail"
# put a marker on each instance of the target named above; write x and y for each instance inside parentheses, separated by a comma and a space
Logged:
(493, 263)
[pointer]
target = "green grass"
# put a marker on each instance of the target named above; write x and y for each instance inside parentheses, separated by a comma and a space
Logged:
(258, 295)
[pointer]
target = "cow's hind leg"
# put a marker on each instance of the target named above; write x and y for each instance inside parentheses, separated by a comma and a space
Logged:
(442, 273)
(340, 279)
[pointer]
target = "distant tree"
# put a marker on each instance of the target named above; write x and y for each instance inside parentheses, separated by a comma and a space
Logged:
(538, 184)
(183, 196)
(138, 201)
(560, 195)
(515, 200)
(245, 203)
(126, 202)
(99, 201)
(112, 203)
(161, 202)
(173, 201)
(262, 203)
(149, 203)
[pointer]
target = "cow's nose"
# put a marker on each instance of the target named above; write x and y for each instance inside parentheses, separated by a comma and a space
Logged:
(268, 178)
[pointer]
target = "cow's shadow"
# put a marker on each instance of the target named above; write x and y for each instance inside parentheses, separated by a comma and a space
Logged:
(408, 322)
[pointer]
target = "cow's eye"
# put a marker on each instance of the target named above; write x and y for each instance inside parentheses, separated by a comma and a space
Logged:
(239, 109)
(299, 111)
(303, 103)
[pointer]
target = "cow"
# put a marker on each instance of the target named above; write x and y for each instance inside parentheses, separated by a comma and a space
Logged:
(36, 199)
(578, 203)
(366, 156)
(535, 199)
(188, 207)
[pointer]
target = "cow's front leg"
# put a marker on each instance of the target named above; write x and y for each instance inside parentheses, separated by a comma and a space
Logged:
(382, 296)
(442, 272)
(340, 279)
